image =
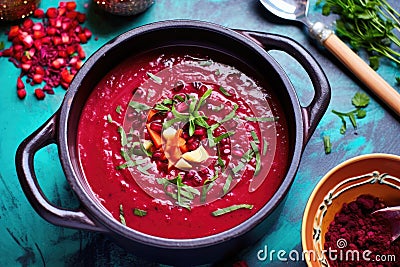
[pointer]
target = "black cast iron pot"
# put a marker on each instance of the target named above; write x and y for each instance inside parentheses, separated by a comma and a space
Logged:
(251, 48)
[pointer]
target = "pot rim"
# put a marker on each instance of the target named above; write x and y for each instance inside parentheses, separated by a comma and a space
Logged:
(109, 222)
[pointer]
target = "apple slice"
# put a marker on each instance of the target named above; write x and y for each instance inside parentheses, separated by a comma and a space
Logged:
(198, 155)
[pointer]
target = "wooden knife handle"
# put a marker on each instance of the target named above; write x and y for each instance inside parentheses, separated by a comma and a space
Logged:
(364, 72)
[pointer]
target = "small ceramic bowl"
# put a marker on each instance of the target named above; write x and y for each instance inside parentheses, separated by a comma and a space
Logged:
(373, 174)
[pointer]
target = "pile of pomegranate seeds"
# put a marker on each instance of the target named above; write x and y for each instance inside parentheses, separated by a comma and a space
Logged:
(49, 51)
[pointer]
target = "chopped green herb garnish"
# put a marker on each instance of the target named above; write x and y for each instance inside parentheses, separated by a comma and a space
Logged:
(262, 119)
(125, 165)
(203, 98)
(255, 137)
(327, 144)
(210, 137)
(205, 63)
(143, 169)
(184, 194)
(256, 151)
(231, 115)
(223, 90)
(154, 77)
(227, 184)
(265, 146)
(360, 101)
(179, 97)
(118, 109)
(217, 108)
(1, 45)
(161, 107)
(139, 106)
(222, 136)
(226, 210)
(139, 212)
(125, 155)
(122, 133)
(192, 126)
(121, 214)
(109, 118)
(207, 185)
(238, 167)
(247, 156)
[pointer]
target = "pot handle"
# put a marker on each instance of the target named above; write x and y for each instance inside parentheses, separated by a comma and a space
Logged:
(312, 113)
(24, 159)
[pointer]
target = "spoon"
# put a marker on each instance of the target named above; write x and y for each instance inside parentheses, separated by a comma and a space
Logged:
(296, 10)
(392, 214)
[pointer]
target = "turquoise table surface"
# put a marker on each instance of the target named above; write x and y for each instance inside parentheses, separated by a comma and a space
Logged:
(28, 240)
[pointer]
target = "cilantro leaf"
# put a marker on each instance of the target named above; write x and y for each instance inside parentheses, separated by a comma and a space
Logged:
(360, 100)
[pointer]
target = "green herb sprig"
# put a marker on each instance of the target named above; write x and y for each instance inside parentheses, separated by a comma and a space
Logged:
(367, 24)
(360, 101)
(229, 209)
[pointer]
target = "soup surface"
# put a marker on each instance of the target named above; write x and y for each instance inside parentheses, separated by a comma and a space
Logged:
(182, 145)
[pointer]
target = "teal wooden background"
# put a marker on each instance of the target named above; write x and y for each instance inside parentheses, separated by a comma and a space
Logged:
(28, 240)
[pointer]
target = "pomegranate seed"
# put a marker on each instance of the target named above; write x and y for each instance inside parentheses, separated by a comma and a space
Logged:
(81, 17)
(27, 24)
(37, 78)
(70, 50)
(57, 40)
(52, 12)
(57, 63)
(71, 14)
(51, 31)
(61, 11)
(38, 34)
(28, 41)
(87, 33)
(14, 31)
(62, 53)
(194, 145)
(66, 76)
(65, 37)
(38, 13)
(200, 132)
(70, 6)
(64, 84)
(80, 51)
(21, 93)
(37, 44)
(7, 52)
(79, 64)
(20, 83)
(26, 67)
(156, 126)
(82, 38)
(39, 94)
(39, 70)
(157, 154)
(46, 40)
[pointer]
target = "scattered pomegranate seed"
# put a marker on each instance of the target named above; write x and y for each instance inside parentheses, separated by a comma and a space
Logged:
(39, 94)
(21, 93)
(38, 13)
(20, 84)
(48, 50)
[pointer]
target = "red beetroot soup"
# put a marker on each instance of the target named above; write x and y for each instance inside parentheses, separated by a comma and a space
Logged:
(182, 145)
